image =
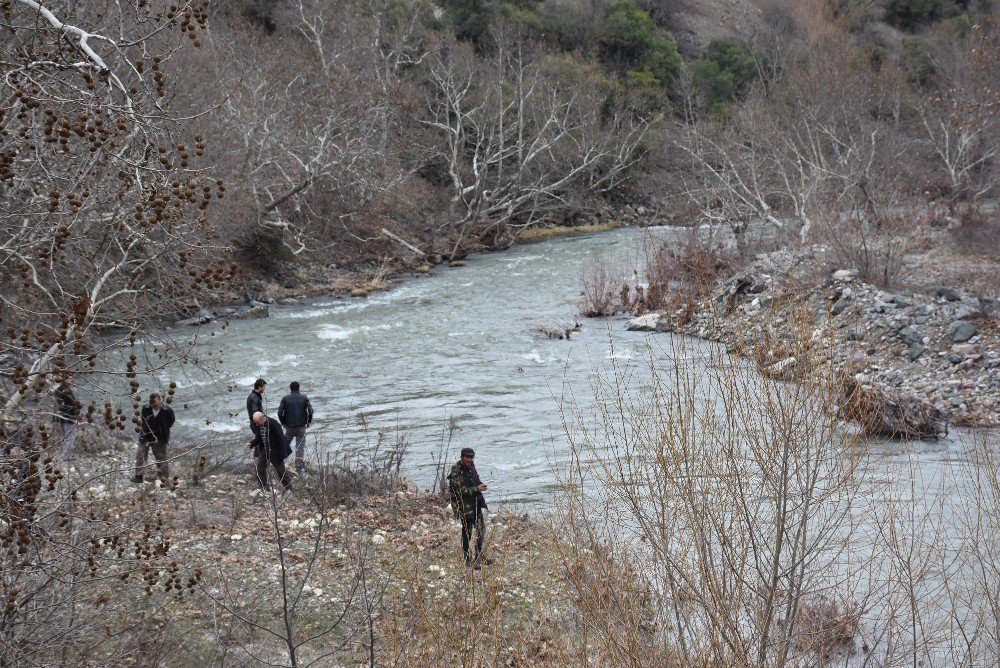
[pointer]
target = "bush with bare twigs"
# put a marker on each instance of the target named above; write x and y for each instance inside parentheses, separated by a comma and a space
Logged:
(681, 273)
(604, 287)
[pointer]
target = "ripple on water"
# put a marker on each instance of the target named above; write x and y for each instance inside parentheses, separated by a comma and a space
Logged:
(217, 427)
(330, 332)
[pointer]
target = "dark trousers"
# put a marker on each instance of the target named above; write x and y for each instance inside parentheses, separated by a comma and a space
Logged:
(470, 522)
(159, 449)
(261, 460)
(300, 441)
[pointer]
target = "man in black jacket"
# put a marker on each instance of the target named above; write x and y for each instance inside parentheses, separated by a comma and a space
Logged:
(296, 414)
(255, 401)
(270, 445)
(154, 433)
(468, 503)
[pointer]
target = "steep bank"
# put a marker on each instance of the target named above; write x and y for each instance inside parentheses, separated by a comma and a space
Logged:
(345, 276)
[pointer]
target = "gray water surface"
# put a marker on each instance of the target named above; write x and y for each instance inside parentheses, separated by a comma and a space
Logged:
(456, 344)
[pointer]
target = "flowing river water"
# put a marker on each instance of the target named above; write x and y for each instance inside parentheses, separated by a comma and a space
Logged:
(459, 345)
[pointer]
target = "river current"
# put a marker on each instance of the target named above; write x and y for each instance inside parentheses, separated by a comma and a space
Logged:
(458, 345)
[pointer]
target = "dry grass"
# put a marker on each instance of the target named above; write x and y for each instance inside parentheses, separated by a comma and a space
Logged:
(680, 274)
(884, 414)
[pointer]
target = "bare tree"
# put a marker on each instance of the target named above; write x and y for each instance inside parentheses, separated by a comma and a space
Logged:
(962, 118)
(515, 137)
(103, 209)
(821, 153)
(733, 506)
(321, 115)
(103, 231)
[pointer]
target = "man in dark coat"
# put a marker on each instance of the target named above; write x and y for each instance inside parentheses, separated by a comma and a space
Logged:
(270, 445)
(255, 401)
(67, 415)
(154, 433)
(468, 504)
(296, 414)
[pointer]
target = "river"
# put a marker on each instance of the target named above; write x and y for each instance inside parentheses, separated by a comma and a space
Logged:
(459, 344)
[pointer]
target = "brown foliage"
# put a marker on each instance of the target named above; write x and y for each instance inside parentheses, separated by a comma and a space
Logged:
(887, 414)
(680, 274)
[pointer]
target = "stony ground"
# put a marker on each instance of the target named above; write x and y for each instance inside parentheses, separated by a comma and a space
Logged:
(354, 569)
(938, 348)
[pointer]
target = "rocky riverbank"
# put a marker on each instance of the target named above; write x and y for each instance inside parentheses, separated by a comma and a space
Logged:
(207, 566)
(936, 354)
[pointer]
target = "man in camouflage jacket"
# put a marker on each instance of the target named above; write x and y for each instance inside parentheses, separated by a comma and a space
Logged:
(467, 502)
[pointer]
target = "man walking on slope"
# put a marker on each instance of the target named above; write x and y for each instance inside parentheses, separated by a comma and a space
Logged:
(154, 432)
(295, 413)
(269, 445)
(468, 503)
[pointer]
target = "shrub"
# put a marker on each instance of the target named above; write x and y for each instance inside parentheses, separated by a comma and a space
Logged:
(524, 17)
(851, 15)
(628, 35)
(724, 71)
(632, 42)
(602, 286)
(912, 14)
(468, 18)
(564, 25)
(679, 273)
(917, 60)
(663, 60)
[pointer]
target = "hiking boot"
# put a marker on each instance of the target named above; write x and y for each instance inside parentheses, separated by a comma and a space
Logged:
(300, 467)
(137, 479)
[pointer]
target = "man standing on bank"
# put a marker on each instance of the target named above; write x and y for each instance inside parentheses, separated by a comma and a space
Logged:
(154, 433)
(468, 504)
(269, 445)
(255, 401)
(295, 413)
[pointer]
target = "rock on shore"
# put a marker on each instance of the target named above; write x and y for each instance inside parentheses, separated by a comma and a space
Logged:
(939, 352)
